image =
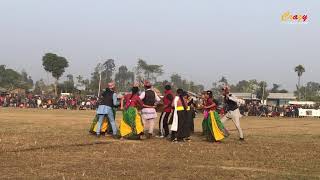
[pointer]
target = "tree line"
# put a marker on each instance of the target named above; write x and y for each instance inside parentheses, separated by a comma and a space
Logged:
(11, 79)
(108, 71)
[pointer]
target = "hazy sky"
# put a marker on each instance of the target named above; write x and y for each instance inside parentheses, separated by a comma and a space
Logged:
(199, 39)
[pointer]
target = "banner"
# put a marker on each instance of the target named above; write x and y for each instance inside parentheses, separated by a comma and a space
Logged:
(309, 112)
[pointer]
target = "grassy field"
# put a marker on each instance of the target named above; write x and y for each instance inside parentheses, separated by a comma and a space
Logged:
(55, 144)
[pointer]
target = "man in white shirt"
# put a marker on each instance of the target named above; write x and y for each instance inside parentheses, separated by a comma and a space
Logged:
(149, 113)
(232, 110)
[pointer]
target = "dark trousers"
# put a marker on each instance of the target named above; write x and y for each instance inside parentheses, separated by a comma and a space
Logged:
(163, 124)
(188, 122)
(182, 118)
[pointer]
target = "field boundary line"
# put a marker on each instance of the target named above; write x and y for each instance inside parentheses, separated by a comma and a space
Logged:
(58, 146)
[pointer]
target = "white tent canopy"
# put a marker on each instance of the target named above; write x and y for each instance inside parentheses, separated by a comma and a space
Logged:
(302, 102)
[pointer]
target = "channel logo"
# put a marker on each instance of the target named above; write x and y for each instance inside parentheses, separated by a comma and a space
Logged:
(294, 18)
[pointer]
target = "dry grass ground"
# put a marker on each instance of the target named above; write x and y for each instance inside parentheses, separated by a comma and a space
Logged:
(55, 144)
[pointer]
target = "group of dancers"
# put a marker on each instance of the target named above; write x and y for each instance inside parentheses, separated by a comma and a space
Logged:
(176, 120)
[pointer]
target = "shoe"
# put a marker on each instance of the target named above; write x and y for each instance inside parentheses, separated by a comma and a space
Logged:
(161, 137)
(187, 139)
(241, 139)
(175, 140)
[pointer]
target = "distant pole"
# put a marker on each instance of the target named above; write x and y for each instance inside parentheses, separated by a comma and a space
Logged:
(99, 84)
(262, 93)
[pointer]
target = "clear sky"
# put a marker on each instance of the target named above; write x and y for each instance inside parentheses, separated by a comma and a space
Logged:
(199, 39)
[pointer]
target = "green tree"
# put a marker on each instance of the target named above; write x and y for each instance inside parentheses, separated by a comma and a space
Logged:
(86, 84)
(11, 79)
(108, 70)
(299, 70)
(124, 78)
(310, 92)
(241, 86)
(95, 77)
(262, 92)
(55, 65)
(275, 89)
(27, 82)
(150, 71)
(223, 81)
(176, 80)
(39, 87)
(200, 88)
(69, 84)
(218, 85)
(79, 82)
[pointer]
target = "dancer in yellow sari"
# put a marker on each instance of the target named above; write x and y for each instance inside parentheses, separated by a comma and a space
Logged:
(131, 126)
(215, 131)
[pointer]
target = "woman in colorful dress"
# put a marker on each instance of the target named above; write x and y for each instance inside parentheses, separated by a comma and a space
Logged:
(205, 113)
(189, 120)
(131, 126)
(214, 129)
(180, 116)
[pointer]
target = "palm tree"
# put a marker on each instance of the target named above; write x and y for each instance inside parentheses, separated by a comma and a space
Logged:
(299, 70)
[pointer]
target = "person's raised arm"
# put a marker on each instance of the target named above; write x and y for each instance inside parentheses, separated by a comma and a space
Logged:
(115, 100)
(157, 97)
(211, 106)
(122, 103)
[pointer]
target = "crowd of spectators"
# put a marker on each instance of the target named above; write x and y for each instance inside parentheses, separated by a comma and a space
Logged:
(90, 103)
(48, 102)
(258, 109)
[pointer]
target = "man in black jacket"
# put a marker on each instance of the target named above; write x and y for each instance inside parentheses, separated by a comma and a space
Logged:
(107, 101)
(149, 113)
(232, 110)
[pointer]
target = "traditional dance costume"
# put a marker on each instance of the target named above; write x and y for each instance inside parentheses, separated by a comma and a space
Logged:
(131, 126)
(179, 118)
(106, 108)
(188, 121)
(149, 98)
(213, 129)
(232, 112)
(105, 127)
(166, 114)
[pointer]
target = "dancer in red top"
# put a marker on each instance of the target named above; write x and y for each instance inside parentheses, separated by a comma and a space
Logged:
(131, 126)
(167, 112)
(213, 128)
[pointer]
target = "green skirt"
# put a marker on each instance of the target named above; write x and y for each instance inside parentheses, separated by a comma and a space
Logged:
(131, 126)
(213, 128)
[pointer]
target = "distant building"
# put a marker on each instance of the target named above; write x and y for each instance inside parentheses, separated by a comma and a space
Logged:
(247, 97)
(280, 99)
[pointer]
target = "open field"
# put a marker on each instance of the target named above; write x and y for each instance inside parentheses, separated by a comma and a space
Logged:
(55, 144)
